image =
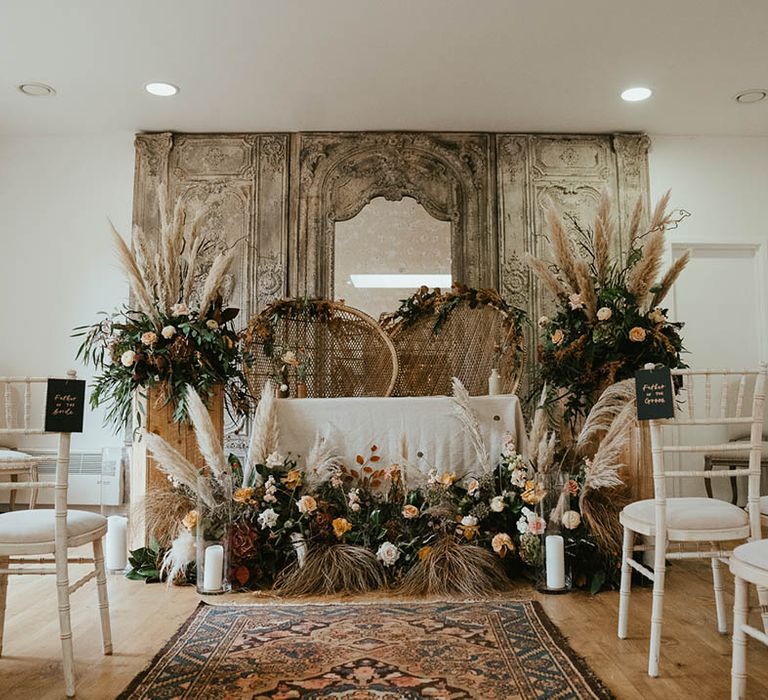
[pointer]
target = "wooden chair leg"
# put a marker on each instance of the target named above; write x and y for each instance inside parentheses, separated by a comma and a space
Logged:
(626, 582)
(12, 497)
(33, 476)
(65, 622)
(739, 648)
(101, 585)
(657, 609)
(3, 597)
(717, 583)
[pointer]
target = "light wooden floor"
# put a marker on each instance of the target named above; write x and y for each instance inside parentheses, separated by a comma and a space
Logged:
(695, 660)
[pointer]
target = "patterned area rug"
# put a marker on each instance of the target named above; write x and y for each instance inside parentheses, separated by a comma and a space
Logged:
(441, 651)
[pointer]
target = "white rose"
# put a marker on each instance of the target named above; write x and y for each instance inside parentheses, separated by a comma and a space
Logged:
(388, 554)
(275, 460)
(355, 507)
(168, 332)
(497, 504)
(268, 518)
(522, 525)
(149, 338)
(657, 316)
(469, 521)
(543, 321)
(518, 478)
(128, 358)
(571, 519)
(180, 310)
(211, 325)
(604, 313)
(473, 486)
(576, 301)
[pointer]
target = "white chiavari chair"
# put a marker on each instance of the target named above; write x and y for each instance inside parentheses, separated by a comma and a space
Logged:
(693, 521)
(14, 463)
(26, 536)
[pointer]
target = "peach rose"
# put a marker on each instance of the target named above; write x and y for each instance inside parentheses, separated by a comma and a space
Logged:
(558, 336)
(637, 334)
(410, 511)
(340, 527)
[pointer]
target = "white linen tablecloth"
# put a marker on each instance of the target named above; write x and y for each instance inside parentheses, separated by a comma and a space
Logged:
(426, 428)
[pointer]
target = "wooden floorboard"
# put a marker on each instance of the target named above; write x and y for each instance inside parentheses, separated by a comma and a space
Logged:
(695, 660)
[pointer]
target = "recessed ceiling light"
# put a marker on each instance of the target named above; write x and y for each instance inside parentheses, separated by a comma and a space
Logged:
(747, 97)
(37, 89)
(636, 94)
(161, 89)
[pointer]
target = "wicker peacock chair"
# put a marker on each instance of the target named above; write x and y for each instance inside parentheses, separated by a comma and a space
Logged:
(344, 351)
(464, 333)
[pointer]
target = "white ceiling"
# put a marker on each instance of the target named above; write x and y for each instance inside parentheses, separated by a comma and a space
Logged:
(291, 65)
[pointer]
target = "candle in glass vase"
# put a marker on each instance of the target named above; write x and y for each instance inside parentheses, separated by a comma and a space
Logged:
(555, 558)
(213, 573)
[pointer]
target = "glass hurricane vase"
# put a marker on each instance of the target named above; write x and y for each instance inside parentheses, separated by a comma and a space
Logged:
(212, 542)
(553, 570)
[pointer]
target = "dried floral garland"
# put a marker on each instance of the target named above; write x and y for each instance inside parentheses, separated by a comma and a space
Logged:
(440, 304)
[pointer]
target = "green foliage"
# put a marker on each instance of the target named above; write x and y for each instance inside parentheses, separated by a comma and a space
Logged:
(132, 353)
(145, 564)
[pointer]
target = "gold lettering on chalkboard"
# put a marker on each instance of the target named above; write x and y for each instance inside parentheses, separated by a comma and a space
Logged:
(64, 405)
(653, 393)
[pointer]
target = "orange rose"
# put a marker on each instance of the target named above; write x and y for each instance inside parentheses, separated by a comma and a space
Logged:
(637, 334)
(340, 527)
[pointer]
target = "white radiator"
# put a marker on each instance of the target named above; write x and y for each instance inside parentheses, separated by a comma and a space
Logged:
(93, 479)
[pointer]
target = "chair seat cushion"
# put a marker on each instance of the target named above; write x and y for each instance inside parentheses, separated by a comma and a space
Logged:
(7, 455)
(753, 554)
(37, 526)
(703, 515)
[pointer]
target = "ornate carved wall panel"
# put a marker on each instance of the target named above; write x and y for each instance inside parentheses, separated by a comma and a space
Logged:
(336, 174)
(242, 181)
(278, 197)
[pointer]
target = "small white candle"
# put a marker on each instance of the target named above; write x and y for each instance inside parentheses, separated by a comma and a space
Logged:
(555, 557)
(117, 543)
(494, 383)
(213, 568)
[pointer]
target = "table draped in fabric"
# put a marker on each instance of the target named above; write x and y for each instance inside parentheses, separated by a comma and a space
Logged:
(422, 431)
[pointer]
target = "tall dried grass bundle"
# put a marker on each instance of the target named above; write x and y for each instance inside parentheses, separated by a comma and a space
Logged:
(339, 569)
(546, 276)
(670, 278)
(611, 402)
(600, 509)
(462, 407)
(643, 274)
(207, 438)
(163, 510)
(136, 280)
(586, 288)
(563, 251)
(453, 569)
(603, 237)
(265, 432)
(635, 221)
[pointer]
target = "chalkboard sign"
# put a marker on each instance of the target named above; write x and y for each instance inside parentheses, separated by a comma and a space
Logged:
(655, 397)
(65, 406)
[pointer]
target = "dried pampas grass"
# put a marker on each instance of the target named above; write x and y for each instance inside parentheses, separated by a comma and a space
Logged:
(208, 441)
(339, 569)
(163, 510)
(611, 402)
(563, 251)
(545, 275)
(462, 407)
(670, 278)
(132, 271)
(454, 569)
(600, 508)
(265, 432)
(176, 560)
(643, 274)
(603, 237)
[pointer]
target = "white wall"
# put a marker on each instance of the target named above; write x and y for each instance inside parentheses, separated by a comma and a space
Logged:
(723, 294)
(56, 264)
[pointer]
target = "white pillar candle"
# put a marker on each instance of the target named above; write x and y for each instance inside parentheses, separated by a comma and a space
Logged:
(494, 383)
(117, 543)
(213, 568)
(555, 557)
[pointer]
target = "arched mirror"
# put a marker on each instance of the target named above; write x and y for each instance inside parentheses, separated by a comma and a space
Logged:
(386, 252)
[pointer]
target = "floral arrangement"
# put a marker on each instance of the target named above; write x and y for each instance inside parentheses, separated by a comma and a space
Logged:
(609, 318)
(179, 332)
(326, 526)
(440, 304)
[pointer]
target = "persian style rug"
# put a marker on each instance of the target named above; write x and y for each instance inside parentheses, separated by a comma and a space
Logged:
(493, 650)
